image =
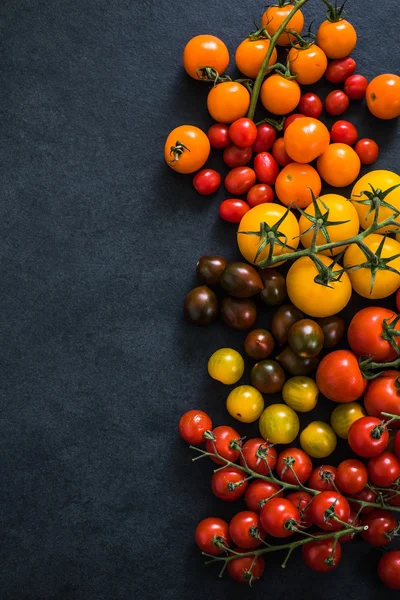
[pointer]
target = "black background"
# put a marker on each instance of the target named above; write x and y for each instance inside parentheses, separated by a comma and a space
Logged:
(99, 242)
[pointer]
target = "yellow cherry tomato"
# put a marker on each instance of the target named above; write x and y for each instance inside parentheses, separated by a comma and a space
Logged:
(300, 393)
(250, 55)
(379, 180)
(309, 64)
(386, 282)
(311, 297)
(343, 417)
(273, 18)
(245, 404)
(226, 365)
(279, 424)
(228, 101)
(337, 208)
(336, 38)
(318, 439)
(269, 213)
(186, 149)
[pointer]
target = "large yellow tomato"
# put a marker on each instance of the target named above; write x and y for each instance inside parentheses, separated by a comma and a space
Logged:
(386, 282)
(318, 439)
(226, 365)
(311, 297)
(343, 417)
(269, 213)
(279, 424)
(379, 180)
(245, 404)
(340, 209)
(300, 393)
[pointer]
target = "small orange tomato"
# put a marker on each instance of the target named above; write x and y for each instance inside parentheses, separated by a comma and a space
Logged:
(383, 96)
(305, 139)
(273, 18)
(228, 101)
(186, 149)
(336, 38)
(250, 55)
(280, 95)
(205, 51)
(309, 64)
(294, 183)
(339, 165)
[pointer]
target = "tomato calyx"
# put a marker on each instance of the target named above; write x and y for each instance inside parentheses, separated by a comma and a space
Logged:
(319, 221)
(326, 273)
(378, 431)
(335, 13)
(302, 42)
(390, 535)
(278, 125)
(219, 541)
(374, 261)
(389, 334)
(375, 199)
(211, 74)
(177, 150)
(270, 234)
(284, 70)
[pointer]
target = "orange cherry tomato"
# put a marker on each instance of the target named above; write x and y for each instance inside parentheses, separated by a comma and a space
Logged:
(383, 96)
(339, 165)
(186, 149)
(250, 55)
(309, 64)
(294, 182)
(205, 51)
(280, 95)
(305, 139)
(228, 101)
(279, 153)
(273, 18)
(336, 38)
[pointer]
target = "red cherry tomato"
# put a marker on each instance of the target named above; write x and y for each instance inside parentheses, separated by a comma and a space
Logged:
(233, 209)
(229, 484)
(323, 478)
(243, 132)
(278, 516)
(343, 132)
(302, 501)
(192, 426)
(327, 505)
(380, 524)
(240, 180)
(289, 120)
(351, 476)
(207, 181)
(259, 194)
(224, 435)
(293, 465)
(355, 521)
(340, 69)
(211, 534)
(266, 168)
(316, 554)
(366, 495)
(266, 136)
(367, 151)
(233, 156)
(339, 377)
(384, 470)
(279, 153)
(259, 492)
(255, 463)
(336, 102)
(383, 395)
(244, 529)
(356, 86)
(397, 444)
(310, 105)
(389, 569)
(366, 331)
(368, 437)
(218, 134)
(246, 569)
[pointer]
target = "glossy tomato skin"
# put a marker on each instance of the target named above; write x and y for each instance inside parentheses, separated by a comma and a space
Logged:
(209, 268)
(243, 132)
(241, 527)
(336, 102)
(279, 95)
(273, 18)
(221, 482)
(233, 210)
(329, 501)
(382, 180)
(367, 437)
(267, 376)
(383, 96)
(266, 168)
(218, 134)
(224, 435)
(279, 153)
(266, 137)
(209, 532)
(316, 554)
(274, 292)
(279, 424)
(310, 105)
(356, 86)
(380, 524)
(339, 377)
(238, 313)
(250, 55)
(205, 51)
(283, 319)
(366, 495)
(351, 476)
(389, 569)
(339, 165)
(306, 338)
(192, 426)
(323, 478)
(294, 184)
(228, 101)
(226, 365)
(195, 148)
(383, 395)
(200, 306)
(340, 69)
(259, 492)
(240, 180)
(309, 64)
(300, 393)
(233, 156)
(365, 333)
(367, 150)
(207, 182)
(245, 404)
(344, 415)
(344, 132)
(255, 463)
(306, 139)
(259, 194)
(293, 465)
(337, 39)
(276, 515)
(384, 470)
(239, 568)
(318, 439)
(302, 501)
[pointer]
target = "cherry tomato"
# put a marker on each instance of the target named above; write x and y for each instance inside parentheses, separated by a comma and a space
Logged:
(344, 132)
(336, 38)
(368, 437)
(339, 165)
(226, 365)
(343, 416)
(327, 505)
(211, 534)
(240, 180)
(302, 501)
(306, 139)
(336, 102)
(384, 470)
(340, 69)
(260, 193)
(323, 478)
(397, 444)
(259, 492)
(218, 134)
(293, 465)
(233, 156)
(366, 495)
(246, 569)
(245, 404)
(228, 101)
(366, 331)
(273, 18)
(207, 182)
(389, 569)
(351, 476)
(322, 556)
(280, 95)
(224, 435)
(380, 524)
(266, 168)
(279, 153)
(300, 393)
(223, 481)
(259, 344)
(339, 377)
(205, 51)
(308, 64)
(310, 105)
(279, 516)
(318, 439)
(244, 529)
(367, 151)
(250, 55)
(243, 132)
(253, 461)
(266, 136)
(290, 120)
(295, 183)
(279, 423)
(192, 425)
(383, 96)
(355, 87)
(186, 149)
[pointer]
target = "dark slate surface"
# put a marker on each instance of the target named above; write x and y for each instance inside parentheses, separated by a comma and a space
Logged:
(99, 240)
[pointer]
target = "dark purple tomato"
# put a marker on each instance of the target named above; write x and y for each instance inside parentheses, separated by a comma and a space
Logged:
(241, 280)
(201, 306)
(268, 377)
(209, 268)
(333, 329)
(274, 292)
(238, 313)
(295, 365)
(306, 338)
(259, 344)
(283, 319)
